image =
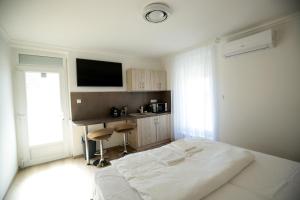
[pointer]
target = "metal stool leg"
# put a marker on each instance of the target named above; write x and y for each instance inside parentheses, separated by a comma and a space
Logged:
(125, 135)
(102, 162)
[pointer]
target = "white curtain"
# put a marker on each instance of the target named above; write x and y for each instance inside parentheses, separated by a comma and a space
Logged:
(193, 93)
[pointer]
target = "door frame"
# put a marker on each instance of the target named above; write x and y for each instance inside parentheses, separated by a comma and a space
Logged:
(24, 159)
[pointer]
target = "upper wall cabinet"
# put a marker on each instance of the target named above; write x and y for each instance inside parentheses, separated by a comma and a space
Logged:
(158, 80)
(146, 80)
(138, 80)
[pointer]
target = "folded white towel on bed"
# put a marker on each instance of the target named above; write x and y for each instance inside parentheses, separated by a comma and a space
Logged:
(166, 156)
(193, 151)
(183, 145)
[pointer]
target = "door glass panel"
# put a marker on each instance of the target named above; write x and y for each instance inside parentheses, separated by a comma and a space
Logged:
(44, 113)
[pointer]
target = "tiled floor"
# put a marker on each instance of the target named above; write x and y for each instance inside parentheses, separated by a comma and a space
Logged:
(63, 179)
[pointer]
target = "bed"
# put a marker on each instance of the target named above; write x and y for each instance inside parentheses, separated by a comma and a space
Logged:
(208, 170)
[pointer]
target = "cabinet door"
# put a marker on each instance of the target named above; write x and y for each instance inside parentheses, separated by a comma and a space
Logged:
(162, 83)
(147, 130)
(133, 79)
(154, 80)
(136, 79)
(163, 128)
(158, 80)
(147, 80)
(140, 79)
(133, 139)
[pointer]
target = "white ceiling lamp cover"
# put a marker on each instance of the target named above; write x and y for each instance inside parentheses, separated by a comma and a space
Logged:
(156, 12)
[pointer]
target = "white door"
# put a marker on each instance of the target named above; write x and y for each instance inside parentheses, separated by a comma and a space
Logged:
(42, 125)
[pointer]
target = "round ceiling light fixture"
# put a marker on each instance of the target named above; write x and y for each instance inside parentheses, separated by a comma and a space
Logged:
(156, 12)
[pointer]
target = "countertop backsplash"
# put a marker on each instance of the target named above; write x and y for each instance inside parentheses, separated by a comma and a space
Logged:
(98, 104)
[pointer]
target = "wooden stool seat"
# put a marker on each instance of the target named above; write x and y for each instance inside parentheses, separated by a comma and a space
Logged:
(101, 134)
(124, 129)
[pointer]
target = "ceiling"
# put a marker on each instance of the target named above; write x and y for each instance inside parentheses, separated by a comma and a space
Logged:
(118, 26)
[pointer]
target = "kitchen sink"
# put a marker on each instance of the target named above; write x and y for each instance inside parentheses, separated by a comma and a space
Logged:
(141, 114)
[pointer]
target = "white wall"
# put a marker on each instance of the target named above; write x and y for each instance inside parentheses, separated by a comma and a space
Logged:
(261, 105)
(128, 62)
(8, 147)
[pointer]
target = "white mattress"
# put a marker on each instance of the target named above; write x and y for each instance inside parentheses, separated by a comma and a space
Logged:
(268, 177)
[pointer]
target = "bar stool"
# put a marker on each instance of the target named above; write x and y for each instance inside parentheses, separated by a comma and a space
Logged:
(125, 129)
(100, 135)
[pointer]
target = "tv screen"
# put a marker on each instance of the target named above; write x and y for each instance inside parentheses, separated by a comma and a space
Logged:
(98, 73)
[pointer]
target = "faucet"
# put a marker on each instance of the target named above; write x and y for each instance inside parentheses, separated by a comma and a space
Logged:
(124, 111)
(141, 109)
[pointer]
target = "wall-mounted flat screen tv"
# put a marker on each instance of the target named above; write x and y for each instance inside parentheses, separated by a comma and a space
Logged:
(95, 73)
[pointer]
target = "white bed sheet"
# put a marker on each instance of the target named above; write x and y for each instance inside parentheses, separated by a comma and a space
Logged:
(268, 177)
(111, 185)
(271, 177)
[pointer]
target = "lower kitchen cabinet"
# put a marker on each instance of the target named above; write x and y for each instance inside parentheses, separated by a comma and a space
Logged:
(163, 128)
(151, 131)
(146, 128)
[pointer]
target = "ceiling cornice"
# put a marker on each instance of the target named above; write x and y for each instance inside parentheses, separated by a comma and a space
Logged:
(237, 34)
(261, 27)
(21, 44)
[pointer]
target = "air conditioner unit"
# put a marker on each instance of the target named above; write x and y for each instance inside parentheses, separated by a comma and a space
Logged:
(262, 40)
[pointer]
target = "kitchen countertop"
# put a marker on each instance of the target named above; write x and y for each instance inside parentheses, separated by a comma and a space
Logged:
(114, 119)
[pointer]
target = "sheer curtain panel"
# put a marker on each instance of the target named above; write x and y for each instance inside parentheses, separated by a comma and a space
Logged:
(193, 93)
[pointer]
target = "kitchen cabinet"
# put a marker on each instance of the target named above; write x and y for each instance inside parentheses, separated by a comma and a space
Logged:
(158, 80)
(145, 80)
(147, 130)
(163, 127)
(151, 131)
(138, 80)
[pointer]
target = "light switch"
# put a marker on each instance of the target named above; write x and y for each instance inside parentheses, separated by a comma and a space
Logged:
(78, 101)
